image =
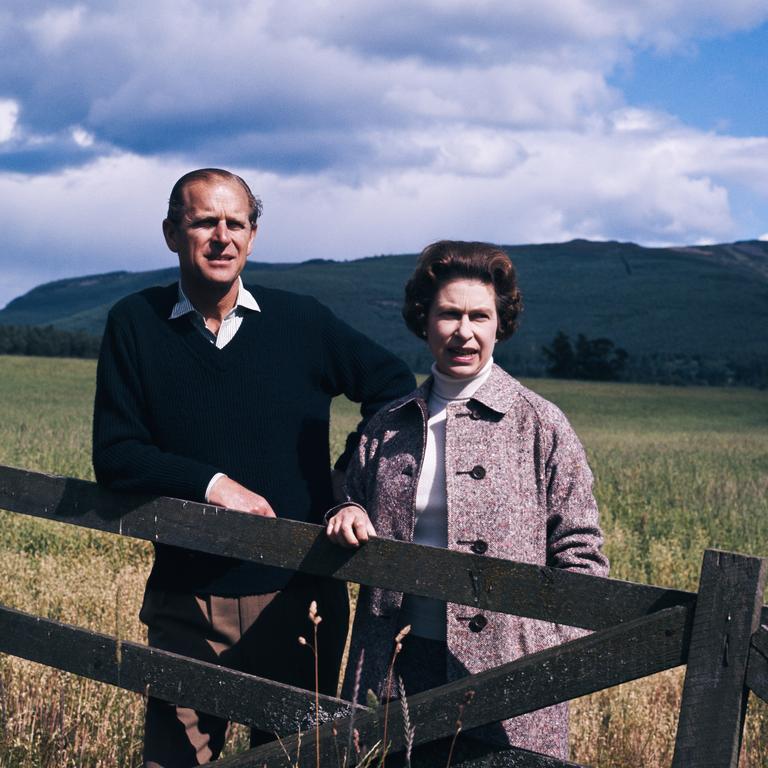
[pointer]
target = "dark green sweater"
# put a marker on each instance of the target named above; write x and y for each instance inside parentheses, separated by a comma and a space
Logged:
(171, 410)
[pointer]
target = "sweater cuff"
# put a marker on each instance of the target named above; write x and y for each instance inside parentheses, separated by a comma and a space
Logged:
(333, 510)
(210, 485)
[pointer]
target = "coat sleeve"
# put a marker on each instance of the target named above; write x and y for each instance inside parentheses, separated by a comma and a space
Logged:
(125, 457)
(574, 537)
(364, 371)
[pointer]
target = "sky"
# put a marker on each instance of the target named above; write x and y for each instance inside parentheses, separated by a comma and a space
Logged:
(378, 127)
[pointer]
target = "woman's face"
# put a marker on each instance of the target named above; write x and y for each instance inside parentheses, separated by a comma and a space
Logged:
(461, 327)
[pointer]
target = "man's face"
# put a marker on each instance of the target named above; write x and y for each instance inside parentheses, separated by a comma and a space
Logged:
(214, 237)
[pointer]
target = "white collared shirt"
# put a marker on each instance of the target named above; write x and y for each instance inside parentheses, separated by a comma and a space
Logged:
(229, 325)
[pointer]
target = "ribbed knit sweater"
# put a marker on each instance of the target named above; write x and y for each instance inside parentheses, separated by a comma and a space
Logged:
(171, 410)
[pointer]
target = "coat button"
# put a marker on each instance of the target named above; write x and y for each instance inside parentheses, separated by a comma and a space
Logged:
(477, 472)
(475, 416)
(478, 623)
(479, 547)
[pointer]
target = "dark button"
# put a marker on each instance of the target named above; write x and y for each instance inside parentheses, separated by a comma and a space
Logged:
(479, 547)
(477, 472)
(475, 416)
(478, 623)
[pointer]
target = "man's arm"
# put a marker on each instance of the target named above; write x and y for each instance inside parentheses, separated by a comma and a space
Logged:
(124, 455)
(364, 371)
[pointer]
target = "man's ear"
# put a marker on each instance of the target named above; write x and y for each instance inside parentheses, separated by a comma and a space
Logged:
(254, 227)
(170, 233)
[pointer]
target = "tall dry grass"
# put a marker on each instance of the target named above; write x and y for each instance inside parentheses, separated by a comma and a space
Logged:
(676, 470)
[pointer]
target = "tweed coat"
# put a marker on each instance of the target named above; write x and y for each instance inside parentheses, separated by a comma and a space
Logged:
(518, 487)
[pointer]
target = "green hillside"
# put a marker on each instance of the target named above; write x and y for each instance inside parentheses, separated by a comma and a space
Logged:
(658, 303)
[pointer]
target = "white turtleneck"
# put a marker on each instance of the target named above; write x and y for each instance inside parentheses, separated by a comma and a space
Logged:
(425, 615)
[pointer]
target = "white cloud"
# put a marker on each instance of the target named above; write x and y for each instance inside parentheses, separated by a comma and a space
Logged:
(9, 115)
(343, 69)
(375, 126)
(97, 218)
(518, 186)
(57, 26)
(564, 31)
(82, 138)
(606, 184)
(346, 87)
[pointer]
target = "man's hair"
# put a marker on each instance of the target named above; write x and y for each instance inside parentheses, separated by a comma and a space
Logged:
(448, 260)
(176, 202)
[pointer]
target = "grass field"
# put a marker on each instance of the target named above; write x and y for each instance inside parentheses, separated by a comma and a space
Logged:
(676, 470)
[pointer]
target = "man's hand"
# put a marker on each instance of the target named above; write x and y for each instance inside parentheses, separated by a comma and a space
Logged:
(227, 493)
(350, 527)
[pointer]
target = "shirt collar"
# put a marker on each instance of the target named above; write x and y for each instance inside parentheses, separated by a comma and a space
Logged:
(184, 306)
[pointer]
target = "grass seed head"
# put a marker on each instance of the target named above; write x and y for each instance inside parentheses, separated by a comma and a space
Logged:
(314, 616)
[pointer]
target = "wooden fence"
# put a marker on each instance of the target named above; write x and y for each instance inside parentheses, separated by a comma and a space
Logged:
(638, 630)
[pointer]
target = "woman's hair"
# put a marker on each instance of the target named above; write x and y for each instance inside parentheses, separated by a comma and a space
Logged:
(449, 260)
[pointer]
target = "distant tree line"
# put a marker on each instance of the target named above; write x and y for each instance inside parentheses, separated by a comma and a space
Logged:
(601, 360)
(592, 359)
(683, 369)
(47, 341)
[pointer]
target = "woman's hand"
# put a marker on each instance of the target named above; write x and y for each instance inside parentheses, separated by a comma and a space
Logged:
(350, 527)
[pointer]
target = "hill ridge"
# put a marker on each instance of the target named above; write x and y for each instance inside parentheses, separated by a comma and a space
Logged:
(706, 302)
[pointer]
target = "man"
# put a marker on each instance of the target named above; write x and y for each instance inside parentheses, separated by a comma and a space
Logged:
(212, 392)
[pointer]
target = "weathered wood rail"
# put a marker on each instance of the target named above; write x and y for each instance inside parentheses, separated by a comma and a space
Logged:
(638, 630)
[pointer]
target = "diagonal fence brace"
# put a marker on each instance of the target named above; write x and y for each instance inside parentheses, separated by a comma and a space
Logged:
(612, 656)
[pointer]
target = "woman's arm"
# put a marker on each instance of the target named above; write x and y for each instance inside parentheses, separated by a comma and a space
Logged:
(574, 537)
(348, 524)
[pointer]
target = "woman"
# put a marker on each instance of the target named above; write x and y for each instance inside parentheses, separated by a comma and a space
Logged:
(474, 461)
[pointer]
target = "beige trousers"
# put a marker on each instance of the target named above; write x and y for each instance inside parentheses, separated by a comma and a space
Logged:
(257, 634)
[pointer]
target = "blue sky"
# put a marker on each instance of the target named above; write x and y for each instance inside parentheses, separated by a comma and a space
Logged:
(718, 84)
(379, 127)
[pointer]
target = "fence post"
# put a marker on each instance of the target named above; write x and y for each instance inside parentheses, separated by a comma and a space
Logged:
(715, 696)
